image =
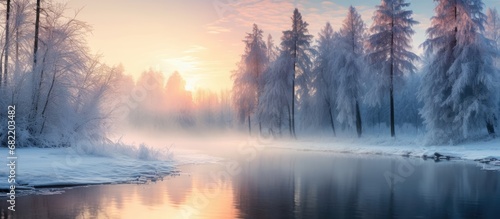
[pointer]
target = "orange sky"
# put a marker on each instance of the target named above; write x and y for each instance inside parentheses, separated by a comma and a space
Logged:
(202, 39)
(150, 34)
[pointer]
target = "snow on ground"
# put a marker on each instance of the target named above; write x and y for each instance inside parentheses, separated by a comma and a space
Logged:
(486, 151)
(84, 165)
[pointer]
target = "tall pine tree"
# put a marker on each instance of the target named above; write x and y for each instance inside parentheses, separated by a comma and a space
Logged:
(390, 45)
(460, 83)
(248, 84)
(296, 46)
(492, 27)
(349, 66)
(324, 81)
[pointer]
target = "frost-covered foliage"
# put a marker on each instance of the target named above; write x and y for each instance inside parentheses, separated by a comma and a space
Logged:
(324, 82)
(213, 110)
(460, 85)
(159, 104)
(272, 50)
(296, 47)
(348, 65)
(288, 80)
(389, 47)
(492, 27)
(247, 78)
(155, 104)
(275, 100)
(60, 99)
(492, 32)
(407, 103)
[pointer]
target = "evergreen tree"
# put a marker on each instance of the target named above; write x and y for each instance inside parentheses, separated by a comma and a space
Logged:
(460, 84)
(390, 45)
(248, 83)
(275, 101)
(324, 82)
(492, 27)
(296, 46)
(349, 66)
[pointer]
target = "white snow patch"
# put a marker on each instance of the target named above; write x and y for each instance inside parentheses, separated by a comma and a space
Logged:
(86, 165)
(485, 151)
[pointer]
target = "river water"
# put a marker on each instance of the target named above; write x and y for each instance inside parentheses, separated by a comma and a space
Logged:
(278, 183)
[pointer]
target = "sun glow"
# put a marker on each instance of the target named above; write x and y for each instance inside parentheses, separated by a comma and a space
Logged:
(191, 84)
(187, 66)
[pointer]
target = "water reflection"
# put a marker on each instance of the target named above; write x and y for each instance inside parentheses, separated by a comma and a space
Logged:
(316, 185)
(288, 184)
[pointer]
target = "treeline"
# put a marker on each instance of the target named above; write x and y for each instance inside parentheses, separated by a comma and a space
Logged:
(164, 105)
(58, 87)
(357, 76)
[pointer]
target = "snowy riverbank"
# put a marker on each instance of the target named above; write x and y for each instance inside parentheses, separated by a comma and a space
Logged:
(74, 166)
(486, 151)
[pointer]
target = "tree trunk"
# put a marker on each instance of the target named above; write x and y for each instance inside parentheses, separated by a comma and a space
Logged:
(490, 127)
(39, 87)
(391, 86)
(293, 104)
(1, 69)
(16, 64)
(331, 120)
(249, 126)
(34, 104)
(293, 85)
(358, 120)
(37, 26)
(279, 124)
(7, 42)
(47, 101)
(392, 111)
(290, 121)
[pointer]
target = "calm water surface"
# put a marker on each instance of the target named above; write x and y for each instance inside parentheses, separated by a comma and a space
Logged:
(276, 183)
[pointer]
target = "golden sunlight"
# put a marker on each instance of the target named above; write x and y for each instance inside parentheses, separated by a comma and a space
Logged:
(191, 83)
(185, 64)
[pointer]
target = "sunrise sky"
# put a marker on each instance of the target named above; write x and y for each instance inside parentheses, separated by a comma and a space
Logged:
(202, 39)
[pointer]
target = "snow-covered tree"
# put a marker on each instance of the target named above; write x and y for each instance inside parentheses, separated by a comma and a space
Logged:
(179, 100)
(13, 38)
(256, 61)
(22, 25)
(349, 65)
(324, 81)
(248, 83)
(408, 104)
(272, 50)
(492, 26)
(296, 46)
(275, 100)
(492, 32)
(7, 43)
(460, 85)
(389, 47)
(61, 99)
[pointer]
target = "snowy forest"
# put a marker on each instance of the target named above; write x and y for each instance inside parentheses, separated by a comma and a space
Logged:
(350, 80)
(57, 86)
(360, 77)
